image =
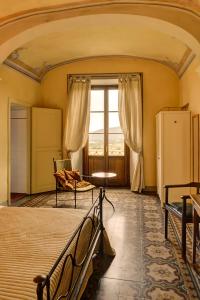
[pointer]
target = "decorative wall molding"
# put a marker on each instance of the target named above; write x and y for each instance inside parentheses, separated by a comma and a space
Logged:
(22, 69)
(187, 6)
(186, 61)
(19, 66)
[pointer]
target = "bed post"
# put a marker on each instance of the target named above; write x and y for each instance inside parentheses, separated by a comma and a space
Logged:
(101, 197)
(39, 280)
(56, 194)
(75, 194)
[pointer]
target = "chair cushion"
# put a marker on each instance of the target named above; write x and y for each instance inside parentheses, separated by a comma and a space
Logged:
(82, 184)
(179, 207)
(68, 180)
(86, 188)
(63, 182)
(74, 174)
(67, 185)
(60, 176)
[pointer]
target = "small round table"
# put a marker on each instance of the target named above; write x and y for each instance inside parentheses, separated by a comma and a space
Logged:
(104, 176)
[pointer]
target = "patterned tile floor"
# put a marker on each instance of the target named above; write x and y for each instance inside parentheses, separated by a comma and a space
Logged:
(146, 266)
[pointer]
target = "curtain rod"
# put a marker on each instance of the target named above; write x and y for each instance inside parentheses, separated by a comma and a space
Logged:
(103, 75)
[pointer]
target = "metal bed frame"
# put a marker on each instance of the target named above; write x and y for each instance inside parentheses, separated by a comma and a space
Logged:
(95, 216)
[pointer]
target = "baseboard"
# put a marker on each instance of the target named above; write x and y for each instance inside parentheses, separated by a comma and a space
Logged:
(5, 203)
(150, 190)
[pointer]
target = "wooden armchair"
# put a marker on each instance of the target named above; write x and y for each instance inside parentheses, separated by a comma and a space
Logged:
(68, 180)
(182, 210)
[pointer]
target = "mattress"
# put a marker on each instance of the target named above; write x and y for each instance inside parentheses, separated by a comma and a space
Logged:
(31, 239)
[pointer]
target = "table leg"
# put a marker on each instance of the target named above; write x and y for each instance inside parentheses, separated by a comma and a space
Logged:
(101, 197)
(195, 228)
(109, 202)
(105, 197)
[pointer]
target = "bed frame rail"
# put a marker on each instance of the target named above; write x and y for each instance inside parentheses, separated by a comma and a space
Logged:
(78, 269)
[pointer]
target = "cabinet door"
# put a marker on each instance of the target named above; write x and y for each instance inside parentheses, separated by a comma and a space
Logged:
(176, 149)
(46, 145)
(176, 145)
(159, 154)
(195, 140)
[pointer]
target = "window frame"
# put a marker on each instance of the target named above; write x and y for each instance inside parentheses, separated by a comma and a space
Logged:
(106, 112)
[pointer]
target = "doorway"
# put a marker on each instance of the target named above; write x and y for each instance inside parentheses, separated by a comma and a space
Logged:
(106, 150)
(19, 152)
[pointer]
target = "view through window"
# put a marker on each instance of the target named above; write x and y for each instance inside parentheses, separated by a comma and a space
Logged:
(105, 134)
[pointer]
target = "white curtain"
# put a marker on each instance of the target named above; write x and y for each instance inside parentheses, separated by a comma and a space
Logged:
(130, 115)
(77, 117)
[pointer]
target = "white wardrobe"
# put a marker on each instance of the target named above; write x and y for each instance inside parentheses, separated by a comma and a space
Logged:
(173, 139)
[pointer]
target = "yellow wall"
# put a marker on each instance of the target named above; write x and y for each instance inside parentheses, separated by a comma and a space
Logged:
(161, 88)
(190, 87)
(14, 87)
(190, 93)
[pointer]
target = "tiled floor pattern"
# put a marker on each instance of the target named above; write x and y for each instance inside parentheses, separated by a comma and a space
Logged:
(146, 266)
(175, 238)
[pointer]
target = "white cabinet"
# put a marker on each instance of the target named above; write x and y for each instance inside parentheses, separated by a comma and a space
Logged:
(173, 151)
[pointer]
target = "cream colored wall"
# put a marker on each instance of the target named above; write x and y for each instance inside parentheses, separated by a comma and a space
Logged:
(14, 87)
(161, 88)
(190, 87)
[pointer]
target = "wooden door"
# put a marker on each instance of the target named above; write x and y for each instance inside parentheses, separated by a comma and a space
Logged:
(106, 150)
(46, 145)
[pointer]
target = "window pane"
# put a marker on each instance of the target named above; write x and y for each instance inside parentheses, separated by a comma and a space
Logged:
(96, 123)
(97, 100)
(96, 144)
(113, 100)
(115, 145)
(114, 126)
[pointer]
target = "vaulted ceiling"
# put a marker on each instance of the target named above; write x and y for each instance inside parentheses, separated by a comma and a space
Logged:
(10, 8)
(36, 36)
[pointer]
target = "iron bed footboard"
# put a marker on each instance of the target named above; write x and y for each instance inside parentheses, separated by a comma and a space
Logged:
(95, 217)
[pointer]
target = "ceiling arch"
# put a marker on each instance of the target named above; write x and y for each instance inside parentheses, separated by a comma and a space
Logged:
(185, 14)
(170, 19)
(103, 35)
(12, 8)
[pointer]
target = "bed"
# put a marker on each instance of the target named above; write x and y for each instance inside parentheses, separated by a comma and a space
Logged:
(46, 253)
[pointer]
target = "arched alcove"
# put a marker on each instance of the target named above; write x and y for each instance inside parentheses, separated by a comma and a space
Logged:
(181, 21)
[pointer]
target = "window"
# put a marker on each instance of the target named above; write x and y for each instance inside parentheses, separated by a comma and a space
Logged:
(105, 134)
